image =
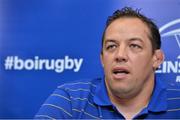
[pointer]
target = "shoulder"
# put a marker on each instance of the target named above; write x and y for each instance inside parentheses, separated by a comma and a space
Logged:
(173, 92)
(81, 82)
(59, 104)
(79, 87)
(173, 100)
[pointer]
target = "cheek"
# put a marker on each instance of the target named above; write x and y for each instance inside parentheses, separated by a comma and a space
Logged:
(107, 63)
(142, 65)
(107, 60)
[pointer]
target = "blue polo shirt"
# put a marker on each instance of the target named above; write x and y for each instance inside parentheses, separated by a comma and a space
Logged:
(88, 99)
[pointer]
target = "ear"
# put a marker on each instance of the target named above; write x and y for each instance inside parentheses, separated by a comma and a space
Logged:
(158, 58)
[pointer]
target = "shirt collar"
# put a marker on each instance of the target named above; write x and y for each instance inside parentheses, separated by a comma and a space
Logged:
(158, 100)
(157, 103)
(101, 96)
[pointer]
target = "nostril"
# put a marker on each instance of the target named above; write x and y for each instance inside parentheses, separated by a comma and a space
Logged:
(121, 59)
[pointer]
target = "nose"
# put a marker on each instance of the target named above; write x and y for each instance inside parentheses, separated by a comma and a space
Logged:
(121, 54)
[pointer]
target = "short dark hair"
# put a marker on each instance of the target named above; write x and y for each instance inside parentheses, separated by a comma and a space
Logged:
(128, 12)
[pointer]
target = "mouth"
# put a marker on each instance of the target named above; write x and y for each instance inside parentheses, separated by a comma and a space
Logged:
(120, 72)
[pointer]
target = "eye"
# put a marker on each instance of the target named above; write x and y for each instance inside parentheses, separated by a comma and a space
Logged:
(111, 47)
(135, 46)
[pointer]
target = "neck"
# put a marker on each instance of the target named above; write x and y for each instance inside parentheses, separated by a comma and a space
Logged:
(131, 106)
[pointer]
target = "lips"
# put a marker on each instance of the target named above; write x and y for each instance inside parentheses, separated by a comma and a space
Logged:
(120, 72)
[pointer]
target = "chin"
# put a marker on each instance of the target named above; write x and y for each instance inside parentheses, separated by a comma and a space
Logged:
(123, 93)
(120, 88)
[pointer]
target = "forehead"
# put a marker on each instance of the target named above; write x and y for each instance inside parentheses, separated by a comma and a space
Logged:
(127, 28)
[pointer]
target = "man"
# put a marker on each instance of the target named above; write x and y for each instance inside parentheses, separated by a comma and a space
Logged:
(130, 55)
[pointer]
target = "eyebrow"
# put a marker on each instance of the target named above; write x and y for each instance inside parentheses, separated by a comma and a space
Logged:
(129, 40)
(136, 39)
(110, 40)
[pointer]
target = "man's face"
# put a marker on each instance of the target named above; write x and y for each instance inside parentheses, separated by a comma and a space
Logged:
(127, 57)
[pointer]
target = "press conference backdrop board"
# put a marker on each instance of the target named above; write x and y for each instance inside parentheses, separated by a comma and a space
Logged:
(45, 43)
